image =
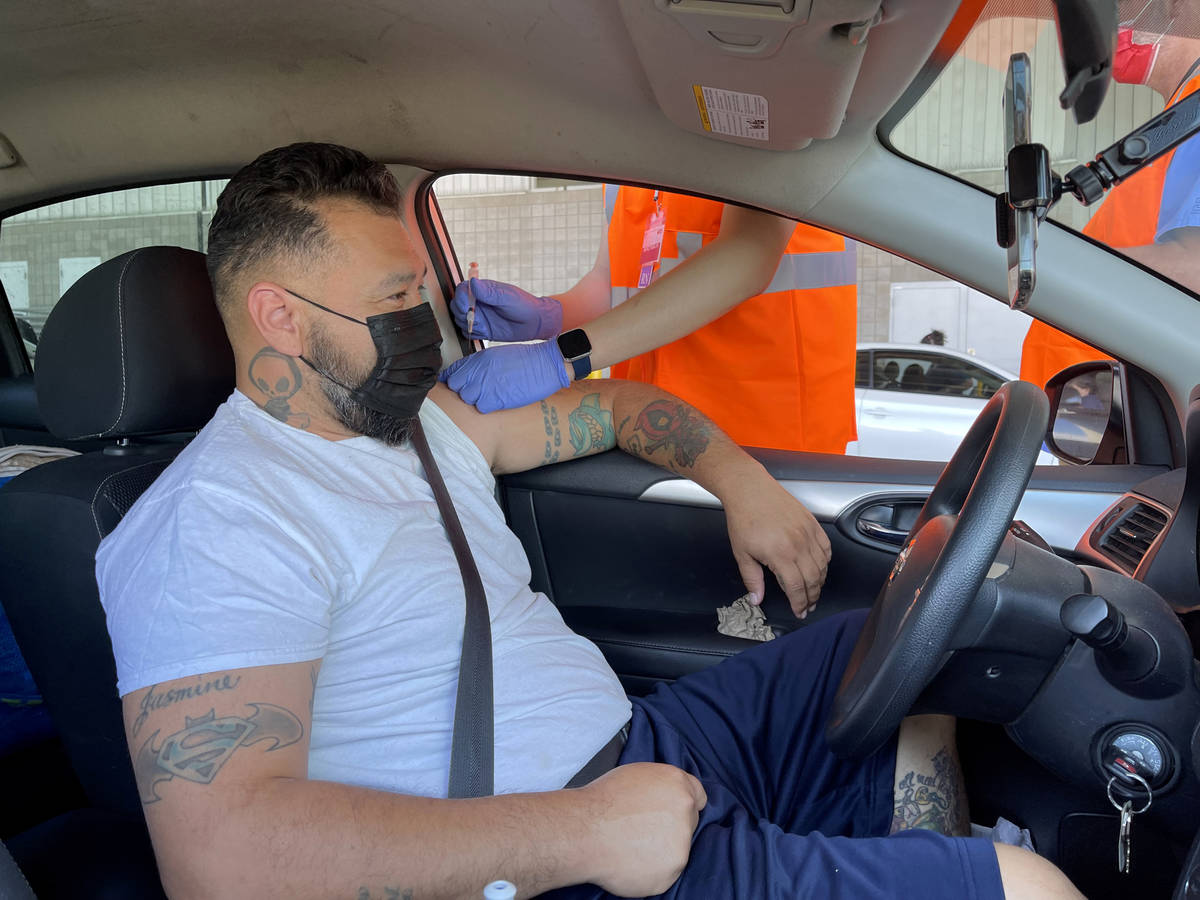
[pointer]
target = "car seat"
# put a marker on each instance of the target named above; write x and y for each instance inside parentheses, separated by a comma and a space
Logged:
(890, 380)
(133, 352)
(913, 378)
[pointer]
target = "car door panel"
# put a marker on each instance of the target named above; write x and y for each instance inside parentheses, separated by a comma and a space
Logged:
(643, 579)
(638, 560)
(1060, 512)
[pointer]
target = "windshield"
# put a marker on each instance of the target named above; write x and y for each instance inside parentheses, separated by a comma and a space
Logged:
(957, 126)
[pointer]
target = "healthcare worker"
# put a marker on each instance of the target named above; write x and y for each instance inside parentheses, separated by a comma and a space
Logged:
(750, 317)
(1154, 217)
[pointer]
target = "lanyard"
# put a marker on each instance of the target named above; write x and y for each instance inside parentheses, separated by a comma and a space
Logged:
(652, 239)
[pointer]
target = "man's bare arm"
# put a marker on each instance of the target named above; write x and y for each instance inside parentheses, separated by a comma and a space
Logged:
(221, 766)
(599, 414)
(1177, 256)
(767, 526)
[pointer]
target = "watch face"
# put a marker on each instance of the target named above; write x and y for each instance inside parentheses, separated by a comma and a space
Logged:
(574, 344)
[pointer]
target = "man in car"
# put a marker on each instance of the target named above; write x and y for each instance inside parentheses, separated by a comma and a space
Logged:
(1154, 216)
(286, 612)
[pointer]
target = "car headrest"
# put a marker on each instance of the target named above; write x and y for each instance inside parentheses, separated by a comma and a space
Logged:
(134, 347)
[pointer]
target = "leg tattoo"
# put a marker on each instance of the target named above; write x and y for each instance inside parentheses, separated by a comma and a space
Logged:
(933, 801)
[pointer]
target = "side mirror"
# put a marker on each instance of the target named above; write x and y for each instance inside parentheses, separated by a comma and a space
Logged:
(1087, 414)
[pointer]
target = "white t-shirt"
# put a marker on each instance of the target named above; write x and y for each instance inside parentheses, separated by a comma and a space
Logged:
(263, 544)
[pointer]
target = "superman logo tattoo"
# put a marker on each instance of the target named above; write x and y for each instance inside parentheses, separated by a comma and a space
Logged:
(198, 752)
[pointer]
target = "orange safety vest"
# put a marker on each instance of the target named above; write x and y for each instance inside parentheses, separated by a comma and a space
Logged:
(1128, 217)
(775, 371)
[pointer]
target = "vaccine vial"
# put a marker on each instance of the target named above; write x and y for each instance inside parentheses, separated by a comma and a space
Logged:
(472, 272)
(500, 890)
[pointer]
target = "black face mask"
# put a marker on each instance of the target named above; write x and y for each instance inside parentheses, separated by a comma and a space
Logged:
(408, 356)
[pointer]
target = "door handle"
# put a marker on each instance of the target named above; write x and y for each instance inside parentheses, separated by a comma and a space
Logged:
(881, 532)
(883, 520)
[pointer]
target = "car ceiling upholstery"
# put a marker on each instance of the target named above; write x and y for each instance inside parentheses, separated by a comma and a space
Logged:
(101, 92)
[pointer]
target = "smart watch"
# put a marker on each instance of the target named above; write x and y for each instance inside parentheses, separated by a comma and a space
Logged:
(576, 349)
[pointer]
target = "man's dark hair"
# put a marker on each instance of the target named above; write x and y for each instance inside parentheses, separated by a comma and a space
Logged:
(268, 208)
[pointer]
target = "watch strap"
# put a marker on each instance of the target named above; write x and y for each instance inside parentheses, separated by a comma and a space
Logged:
(582, 366)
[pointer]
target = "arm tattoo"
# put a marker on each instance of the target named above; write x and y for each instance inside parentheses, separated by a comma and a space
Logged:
(591, 427)
(934, 802)
(672, 425)
(553, 433)
(278, 377)
(204, 745)
(389, 893)
(153, 701)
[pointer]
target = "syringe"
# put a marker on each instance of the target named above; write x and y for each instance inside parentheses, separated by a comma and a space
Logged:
(472, 273)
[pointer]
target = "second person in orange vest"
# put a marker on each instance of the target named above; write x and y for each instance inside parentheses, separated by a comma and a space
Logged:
(1154, 217)
(747, 316)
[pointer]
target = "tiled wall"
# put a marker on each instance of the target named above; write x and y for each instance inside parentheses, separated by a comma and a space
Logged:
(544, 241)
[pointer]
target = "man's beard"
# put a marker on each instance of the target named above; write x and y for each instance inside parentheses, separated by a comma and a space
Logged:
(352, 414)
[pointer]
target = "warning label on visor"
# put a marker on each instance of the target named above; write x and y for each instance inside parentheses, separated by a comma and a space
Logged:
(732, 113)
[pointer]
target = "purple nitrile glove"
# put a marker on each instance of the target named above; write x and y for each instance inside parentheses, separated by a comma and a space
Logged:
(507, 377)
(504, 312)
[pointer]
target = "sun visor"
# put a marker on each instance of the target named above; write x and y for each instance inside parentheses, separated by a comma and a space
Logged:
(765, 73)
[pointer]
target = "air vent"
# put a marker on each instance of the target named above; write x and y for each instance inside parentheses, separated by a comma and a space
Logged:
(1128, 539)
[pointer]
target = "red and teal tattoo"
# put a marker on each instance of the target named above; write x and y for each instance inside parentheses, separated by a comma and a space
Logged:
(591, 427)
(673, 426)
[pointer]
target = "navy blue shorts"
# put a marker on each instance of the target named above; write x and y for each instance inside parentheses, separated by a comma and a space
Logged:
(785, 817)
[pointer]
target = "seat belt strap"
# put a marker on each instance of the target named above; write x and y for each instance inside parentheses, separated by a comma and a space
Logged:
(472, 755)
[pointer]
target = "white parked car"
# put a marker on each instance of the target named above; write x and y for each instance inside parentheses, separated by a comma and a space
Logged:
(916, 401)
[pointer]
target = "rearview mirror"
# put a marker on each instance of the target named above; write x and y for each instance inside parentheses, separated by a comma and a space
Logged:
(1086, 33)
(1087, 422)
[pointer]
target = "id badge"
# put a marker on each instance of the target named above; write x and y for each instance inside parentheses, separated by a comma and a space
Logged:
(652, 240)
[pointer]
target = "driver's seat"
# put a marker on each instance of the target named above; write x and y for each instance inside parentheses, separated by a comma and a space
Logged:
(135, 353)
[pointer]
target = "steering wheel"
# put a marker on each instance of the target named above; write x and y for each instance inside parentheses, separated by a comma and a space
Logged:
(939, 571)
